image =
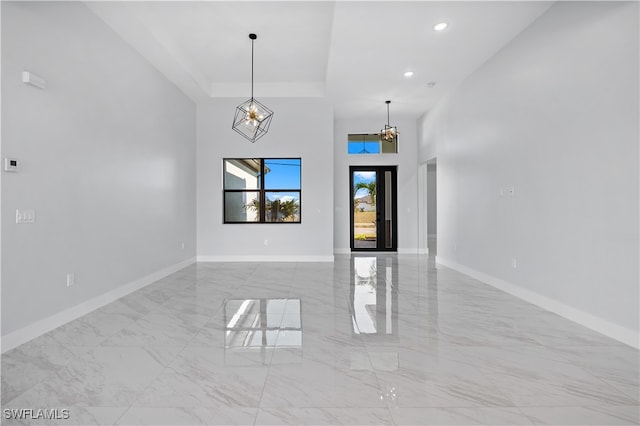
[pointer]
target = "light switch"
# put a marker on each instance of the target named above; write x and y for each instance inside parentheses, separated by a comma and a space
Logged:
(34, 80)
(11, 165)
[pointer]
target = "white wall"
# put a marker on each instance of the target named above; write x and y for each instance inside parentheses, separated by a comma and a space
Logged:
(555, 115)
(300, 127)
(405, 160)
(108, 159)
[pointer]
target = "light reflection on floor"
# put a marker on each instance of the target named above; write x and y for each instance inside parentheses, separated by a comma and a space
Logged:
(384, 339)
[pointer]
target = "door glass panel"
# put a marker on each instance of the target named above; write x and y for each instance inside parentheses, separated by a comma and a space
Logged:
(374, 198)
(364, 209)
(388, 210)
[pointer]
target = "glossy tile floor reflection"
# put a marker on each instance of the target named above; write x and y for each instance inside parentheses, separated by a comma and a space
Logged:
(365, 340)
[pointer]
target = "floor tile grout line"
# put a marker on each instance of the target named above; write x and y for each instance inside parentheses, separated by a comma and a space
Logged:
(591, 374)
(152, 381)
(266, 377)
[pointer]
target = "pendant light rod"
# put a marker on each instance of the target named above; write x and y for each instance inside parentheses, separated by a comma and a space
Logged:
(387, 102)
(253, 37)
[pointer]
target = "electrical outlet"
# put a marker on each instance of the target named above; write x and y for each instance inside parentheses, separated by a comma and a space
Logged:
(182, 245)
(514, 263)
(266, 242)
(71, 279)
(25, 216)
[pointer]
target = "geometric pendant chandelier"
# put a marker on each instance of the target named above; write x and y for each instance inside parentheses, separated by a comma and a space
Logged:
(252, 119)
(389, 134)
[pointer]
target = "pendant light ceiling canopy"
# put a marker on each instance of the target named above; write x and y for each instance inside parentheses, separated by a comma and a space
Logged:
(389, 133)
(252, 118)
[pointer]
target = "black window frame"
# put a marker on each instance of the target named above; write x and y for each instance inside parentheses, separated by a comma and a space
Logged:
(262, 191)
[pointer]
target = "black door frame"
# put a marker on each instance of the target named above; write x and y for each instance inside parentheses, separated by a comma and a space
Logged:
(380, 203)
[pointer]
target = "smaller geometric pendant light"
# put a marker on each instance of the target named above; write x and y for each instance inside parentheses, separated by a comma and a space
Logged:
(389, 134)
(252, 119)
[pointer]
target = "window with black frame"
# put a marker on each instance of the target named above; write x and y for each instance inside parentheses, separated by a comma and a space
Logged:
(262, 190)
(371, 144)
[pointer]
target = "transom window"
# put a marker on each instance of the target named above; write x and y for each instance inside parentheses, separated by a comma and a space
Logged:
(363, 143)
(262, 190)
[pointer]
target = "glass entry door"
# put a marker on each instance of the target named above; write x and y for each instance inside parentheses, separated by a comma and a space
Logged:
(373, 213)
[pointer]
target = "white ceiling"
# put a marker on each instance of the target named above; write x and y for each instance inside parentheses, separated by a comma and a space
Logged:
(354, 53)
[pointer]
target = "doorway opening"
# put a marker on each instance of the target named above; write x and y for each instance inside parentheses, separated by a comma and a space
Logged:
(432, 207)
(374, 201)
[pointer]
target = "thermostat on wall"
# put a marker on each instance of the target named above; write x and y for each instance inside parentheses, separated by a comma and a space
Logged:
(11, 165)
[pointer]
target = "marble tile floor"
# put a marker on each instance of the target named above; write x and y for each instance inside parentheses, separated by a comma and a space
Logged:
(386, 339)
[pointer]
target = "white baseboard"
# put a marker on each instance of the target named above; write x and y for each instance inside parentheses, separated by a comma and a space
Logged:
(408, 250)
(30, 332)
(615, 331)
(265, 258)
(342, 250)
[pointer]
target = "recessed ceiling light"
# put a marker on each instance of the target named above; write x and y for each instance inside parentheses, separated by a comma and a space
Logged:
(441, 26)
(408, 73)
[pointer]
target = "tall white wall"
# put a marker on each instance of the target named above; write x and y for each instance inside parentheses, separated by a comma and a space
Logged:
(555, 115)
(407, 165)
(301, 127)
(108, 160)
